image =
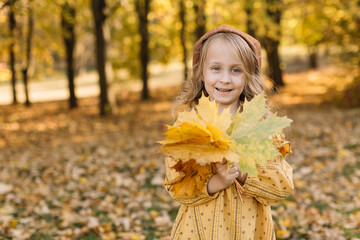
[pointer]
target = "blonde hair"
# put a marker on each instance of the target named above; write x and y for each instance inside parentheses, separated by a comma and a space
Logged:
(193, 87)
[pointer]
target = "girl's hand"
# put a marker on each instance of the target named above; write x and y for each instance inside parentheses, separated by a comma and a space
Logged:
(224, 177)
(242, 175)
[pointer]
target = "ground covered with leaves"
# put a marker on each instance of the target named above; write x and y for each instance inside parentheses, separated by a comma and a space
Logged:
(74, 175)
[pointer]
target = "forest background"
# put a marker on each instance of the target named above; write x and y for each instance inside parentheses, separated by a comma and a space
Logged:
(86, 88)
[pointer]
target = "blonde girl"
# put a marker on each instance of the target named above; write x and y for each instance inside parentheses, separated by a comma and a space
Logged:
(226, 67)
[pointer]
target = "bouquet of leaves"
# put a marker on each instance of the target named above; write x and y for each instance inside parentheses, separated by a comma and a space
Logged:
(202, 136)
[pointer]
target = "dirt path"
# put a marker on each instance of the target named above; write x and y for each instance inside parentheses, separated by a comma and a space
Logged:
(87, 85)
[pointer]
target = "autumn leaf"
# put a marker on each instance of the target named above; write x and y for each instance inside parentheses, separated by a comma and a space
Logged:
(203, 136)
(200, 134)
(251, 131)
(192, 178)
(283, 146)
(282, 233)
(208, 111)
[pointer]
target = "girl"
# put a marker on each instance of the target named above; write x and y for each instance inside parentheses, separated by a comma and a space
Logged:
(226, 67)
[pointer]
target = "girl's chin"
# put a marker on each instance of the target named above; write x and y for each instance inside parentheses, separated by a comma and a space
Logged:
(224, 101)
(226, 104)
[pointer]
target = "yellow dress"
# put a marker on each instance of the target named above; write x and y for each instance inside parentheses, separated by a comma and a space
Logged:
(225, 215)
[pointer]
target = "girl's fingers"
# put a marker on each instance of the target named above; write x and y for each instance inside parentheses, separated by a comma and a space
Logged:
(235, 175)
(237, 166)
(233, 170)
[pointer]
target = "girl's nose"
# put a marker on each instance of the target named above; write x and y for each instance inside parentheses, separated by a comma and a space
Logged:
(225, 78)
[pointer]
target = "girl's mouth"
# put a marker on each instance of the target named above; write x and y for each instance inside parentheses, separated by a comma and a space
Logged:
(223, 90)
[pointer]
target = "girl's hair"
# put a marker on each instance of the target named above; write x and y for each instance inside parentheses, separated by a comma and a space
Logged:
(193, 87)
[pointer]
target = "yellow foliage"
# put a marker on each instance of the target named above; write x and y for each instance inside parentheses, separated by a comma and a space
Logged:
(283, 233)
(191, 180)
(281, 144)
(200, 134)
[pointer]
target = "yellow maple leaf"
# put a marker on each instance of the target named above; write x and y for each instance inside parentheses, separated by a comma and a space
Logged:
(200, 134)
(197, 139)
(208, 111)
(204, 154)
(187, 133)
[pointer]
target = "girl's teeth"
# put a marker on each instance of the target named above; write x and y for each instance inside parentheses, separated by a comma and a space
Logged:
(223, 90)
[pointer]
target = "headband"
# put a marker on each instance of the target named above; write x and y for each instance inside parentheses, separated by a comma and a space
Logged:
(252, 42)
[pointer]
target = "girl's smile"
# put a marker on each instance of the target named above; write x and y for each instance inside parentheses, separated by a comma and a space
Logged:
(223, 90)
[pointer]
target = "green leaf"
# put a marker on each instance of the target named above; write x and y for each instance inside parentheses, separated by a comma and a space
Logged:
(252, 130)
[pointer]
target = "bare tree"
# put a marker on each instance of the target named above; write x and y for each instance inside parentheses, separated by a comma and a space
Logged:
(182, 14)
(12, 26)
(143, 9)
(68, 13)
(271, 44)
(249, 8)
(98, 9)
(30, 23)
(199, 7)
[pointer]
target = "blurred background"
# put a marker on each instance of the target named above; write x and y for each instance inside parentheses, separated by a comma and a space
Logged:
(87, 86)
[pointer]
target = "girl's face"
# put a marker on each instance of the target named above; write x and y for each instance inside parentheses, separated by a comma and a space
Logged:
(223, 78)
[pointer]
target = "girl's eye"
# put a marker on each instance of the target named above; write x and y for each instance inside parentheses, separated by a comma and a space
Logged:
(216, 68)
(236, 70)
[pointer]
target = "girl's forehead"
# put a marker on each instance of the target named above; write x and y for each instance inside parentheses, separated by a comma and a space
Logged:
(219, 42)
(218, 47)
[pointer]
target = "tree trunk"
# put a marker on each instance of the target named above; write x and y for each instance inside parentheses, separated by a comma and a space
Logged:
(12, 26)
(357, 22)
(273, 58)
(142, 9)
(182, 15)
(249, 7)
(313, 57)
(28, 54)
(98, 8)
(68, 13)
(272, 45)
(199, 7)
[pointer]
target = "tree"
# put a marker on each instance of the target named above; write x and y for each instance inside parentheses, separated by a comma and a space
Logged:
(142, 9)
(68, 13)
(182, 14)
(27, 59)
(199, 7)
(311, 28)
(347, 35)
(249, 8)
(98, 9)
(271, 41)
(12, 26)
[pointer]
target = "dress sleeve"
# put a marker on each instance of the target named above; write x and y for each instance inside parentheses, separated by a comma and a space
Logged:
(201, 196)
(273, 183)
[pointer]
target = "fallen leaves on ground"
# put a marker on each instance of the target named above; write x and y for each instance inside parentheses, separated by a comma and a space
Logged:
(326, 153)
(73, 175)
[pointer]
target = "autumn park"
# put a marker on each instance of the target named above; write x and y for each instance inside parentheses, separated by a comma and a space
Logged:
(87, 89)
